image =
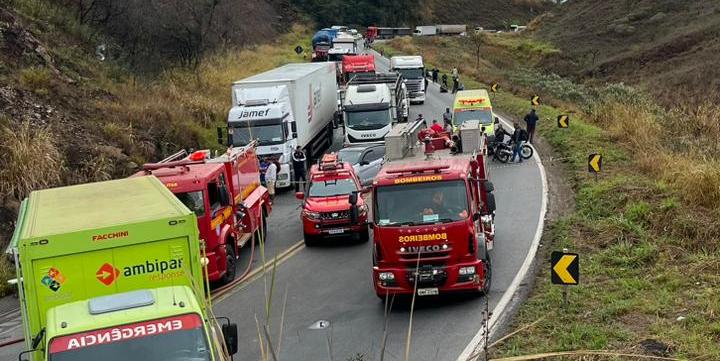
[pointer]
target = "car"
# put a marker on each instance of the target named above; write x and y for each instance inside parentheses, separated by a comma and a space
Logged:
(332, 206)
(366, 160)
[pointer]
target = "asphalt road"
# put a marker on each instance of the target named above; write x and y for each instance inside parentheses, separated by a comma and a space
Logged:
(332, 284)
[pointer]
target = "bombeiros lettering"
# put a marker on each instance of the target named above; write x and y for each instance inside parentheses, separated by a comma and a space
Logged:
(423, 237)
(419, 179)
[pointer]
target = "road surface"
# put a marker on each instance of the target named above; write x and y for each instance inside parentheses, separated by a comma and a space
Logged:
(332, 312)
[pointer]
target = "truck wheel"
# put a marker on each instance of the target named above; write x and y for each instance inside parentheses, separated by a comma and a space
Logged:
(487, 271)
(230, 264)
(310, 240)
(364, 235)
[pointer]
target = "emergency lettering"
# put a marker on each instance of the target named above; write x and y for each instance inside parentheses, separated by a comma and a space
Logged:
(423, 237)
(419, 179)
(125, 332)
(113, 235)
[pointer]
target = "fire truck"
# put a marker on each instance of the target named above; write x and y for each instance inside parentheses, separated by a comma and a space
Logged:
(332, 206)
(433, 213)
(225, 193)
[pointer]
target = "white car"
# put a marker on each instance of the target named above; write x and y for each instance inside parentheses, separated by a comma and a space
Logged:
(366, 159)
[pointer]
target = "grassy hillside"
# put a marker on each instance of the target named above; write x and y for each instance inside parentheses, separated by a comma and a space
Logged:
(67, 117)
(646, 230)
(667, 47)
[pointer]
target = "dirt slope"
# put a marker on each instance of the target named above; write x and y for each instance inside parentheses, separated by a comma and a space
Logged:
(670, 47)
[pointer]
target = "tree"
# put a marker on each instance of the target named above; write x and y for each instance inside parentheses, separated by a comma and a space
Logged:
(476, 41)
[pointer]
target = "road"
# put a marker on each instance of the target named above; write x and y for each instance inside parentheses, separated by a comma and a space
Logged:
(332, 284)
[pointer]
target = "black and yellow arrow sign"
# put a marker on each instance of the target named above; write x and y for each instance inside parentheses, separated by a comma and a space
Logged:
(595, 163)
(535, 100)
(563, 121)
(565, 268)
(494, 87)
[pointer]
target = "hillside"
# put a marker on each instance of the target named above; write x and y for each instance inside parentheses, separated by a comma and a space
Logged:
(668, 47)
(486, 13)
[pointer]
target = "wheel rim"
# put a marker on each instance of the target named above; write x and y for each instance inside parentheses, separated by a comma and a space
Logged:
(527, 152)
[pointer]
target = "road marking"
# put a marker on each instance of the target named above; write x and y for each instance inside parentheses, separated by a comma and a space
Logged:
(257, 272)
(499, 309)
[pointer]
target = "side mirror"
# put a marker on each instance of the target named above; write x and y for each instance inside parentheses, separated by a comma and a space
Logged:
(353, 198)
(293, 128)
(300, 195)
(489, 186)
(224, 197)
(230, 335)
(220, 136)
(482, 129)
(364, 162)
(491, 203)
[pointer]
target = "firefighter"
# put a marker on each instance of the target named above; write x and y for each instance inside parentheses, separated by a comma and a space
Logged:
(298, 161)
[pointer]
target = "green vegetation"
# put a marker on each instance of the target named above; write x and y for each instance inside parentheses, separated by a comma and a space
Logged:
(646, 229)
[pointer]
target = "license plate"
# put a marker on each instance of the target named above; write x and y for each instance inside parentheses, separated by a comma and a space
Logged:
(427, 291)
(336, 231)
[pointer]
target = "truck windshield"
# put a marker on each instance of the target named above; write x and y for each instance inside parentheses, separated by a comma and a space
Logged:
(484, 115)
(265, 134)
(415, 73)
(348, 46)
(367, 119)
(421, 203)
(179, 338)
(329, 188)
(194, 201)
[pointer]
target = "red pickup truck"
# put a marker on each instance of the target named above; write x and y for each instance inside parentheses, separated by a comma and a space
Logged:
(332, 206)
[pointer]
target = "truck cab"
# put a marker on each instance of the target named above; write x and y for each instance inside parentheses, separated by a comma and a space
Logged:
(357, 64)
(226, 197)
(413, 71)
(331, 205)
(434, 211)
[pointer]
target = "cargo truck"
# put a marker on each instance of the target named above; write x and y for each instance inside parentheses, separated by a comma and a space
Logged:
(425, 30)
(413, 71)
(371, 104)
(112, 271)
(433, 213)
(321, 42)
(225, 194)
(293, 105)
(448, 29)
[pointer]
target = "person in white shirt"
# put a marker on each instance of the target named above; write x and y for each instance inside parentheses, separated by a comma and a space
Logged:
(271, 177)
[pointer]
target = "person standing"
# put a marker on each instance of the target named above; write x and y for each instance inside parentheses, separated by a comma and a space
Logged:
(455, 73)
(426, 86)
(517, 139)
(444, 81)
(456, 84)
(271, 178)
(447, 117)
(298, 160)
(435, 73)
(531, 120)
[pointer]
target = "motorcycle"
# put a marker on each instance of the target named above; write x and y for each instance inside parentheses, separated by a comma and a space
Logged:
(503, 151)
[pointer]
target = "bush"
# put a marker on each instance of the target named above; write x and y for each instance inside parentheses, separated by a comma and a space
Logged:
(36, 79)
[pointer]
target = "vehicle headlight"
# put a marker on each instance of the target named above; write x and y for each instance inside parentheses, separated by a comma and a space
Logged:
(386, 276)
(466, 271)
(311, 214)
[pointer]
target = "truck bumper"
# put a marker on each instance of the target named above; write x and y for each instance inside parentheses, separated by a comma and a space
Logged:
(333, 229)
(418, 97)
(433, 279)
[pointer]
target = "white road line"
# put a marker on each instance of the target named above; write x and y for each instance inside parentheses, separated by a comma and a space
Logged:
(499, 309)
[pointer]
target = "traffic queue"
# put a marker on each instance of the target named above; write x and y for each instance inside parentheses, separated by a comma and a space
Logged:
(136, 277)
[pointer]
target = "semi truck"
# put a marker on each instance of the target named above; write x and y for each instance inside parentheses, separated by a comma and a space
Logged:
(371, 104)
(293, 105)
(225, 194)
(413, 71)
(321, 43)
(112, 271)
(357, 64)
(433, 213)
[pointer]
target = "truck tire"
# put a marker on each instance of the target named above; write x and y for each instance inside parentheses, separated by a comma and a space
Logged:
(230, 263)
(310, 240)
(364, 235)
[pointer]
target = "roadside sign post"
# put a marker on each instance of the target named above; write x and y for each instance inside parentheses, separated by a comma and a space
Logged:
(298, 50)
(535, 100)
(565, 271)
(595, 164)
(563, 121)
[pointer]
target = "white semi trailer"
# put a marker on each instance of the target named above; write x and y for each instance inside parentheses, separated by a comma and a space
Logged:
(293, 105)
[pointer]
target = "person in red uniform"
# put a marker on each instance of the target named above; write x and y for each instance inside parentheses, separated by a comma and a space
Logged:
(437, 127)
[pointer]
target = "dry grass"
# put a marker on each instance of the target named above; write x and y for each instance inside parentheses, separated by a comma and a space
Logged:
(30, 160)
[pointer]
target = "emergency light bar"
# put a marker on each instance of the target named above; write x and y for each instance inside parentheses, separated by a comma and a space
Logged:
(418, 169)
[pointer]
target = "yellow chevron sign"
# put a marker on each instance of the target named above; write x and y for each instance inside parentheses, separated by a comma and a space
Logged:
(565, 268)
(563, 121)
(494, 87)
(535, 100)
(595, 163)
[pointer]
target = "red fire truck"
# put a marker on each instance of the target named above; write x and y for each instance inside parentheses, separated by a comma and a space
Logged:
(332, 207)
(433, 213)
(225, 194)
(355, 64)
